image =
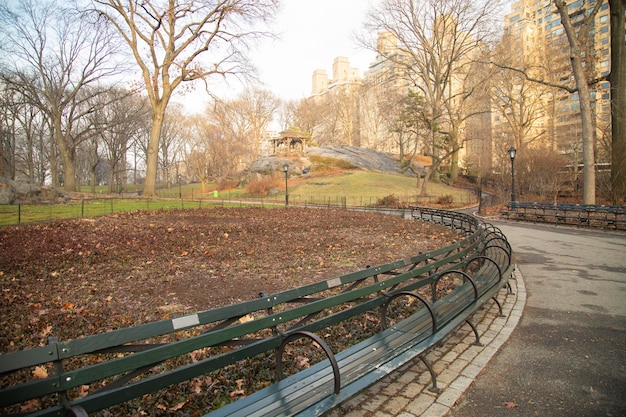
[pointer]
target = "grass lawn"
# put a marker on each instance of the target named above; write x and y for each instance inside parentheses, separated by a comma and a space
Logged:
(364, 188)
(352, 188)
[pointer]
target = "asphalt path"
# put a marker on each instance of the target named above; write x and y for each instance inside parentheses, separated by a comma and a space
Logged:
(567, 356)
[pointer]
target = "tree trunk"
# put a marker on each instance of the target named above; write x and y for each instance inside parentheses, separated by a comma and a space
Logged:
(427, 176)
(69, 171)
(152, 157)
(618, 101)
(588, 133)
(454, 166)
(584, 98)
(54, 164)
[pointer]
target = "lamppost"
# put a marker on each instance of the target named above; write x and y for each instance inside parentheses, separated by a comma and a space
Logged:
(286, 169)
(180, 190)
(512, 151)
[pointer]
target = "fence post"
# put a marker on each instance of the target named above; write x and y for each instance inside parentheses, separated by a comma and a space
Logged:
(82, 208)
(19, 213)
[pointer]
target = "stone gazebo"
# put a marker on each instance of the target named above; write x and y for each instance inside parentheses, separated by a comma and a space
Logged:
(290, 142)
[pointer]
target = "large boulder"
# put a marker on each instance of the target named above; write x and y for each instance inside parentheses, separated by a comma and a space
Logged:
(362, 158)
(7, 193)
(271, 164)
(16, 192)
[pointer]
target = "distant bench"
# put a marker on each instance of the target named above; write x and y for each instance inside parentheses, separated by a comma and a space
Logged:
(593, 215)
(446, 286)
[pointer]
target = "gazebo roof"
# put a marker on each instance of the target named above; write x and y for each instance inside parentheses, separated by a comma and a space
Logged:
(293, 134)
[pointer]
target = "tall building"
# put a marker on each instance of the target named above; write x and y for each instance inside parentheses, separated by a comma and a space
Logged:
(537, 40)
(336, 101)
(344, 77)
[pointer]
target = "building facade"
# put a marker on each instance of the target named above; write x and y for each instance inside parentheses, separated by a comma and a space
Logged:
(537, 42)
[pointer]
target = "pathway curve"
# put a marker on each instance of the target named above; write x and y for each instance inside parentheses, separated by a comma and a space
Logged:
(564, 356)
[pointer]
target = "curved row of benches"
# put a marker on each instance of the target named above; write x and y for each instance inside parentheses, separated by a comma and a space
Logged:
(445, 287)
(593, 215)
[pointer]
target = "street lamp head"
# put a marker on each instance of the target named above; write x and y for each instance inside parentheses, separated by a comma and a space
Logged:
(512, 151)
(285, 168)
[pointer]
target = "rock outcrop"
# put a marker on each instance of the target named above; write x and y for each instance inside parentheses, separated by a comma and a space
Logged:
(361, 158)
(16, 192)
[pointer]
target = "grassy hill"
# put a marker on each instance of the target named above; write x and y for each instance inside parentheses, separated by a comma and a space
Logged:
(354, 187)
(366, 188)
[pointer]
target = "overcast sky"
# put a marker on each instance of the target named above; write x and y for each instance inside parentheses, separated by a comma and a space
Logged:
(312, 33)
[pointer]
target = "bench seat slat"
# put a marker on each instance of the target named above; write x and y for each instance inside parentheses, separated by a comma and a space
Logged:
(311, 391)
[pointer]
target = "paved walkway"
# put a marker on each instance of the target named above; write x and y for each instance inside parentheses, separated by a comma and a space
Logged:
(565, 356)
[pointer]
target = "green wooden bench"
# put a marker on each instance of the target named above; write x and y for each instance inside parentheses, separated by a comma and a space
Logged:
(120, 365)
(593, 215)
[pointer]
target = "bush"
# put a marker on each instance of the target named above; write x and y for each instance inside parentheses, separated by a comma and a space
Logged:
(391, 200)
(263, 186)
(227, 184)
(445, 200)
(324, 163)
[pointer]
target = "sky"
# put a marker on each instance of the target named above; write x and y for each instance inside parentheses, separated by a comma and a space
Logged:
(312, 33)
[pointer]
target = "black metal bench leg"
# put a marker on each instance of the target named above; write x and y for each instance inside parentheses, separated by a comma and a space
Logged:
(329, 353)
(509, 288)
(477, 342)
(495, 300)
(76, 411)
(433, 376)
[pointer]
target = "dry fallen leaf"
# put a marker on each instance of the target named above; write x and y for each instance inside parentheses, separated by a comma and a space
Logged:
(46, 331)
(178, 406)
(31, 405)
(40, 372)
(236, 393)
(83, 391)
(509, 404)
(239, 383)
(246, 318)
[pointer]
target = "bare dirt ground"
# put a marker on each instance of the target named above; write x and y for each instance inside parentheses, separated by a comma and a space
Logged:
(80, 277)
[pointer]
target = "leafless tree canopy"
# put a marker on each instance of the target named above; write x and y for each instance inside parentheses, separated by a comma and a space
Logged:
(440, 45)
(53, 58)
(177, 41)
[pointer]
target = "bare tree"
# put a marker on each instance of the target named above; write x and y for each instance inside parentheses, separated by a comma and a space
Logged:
(174, 136)
(118, 124)
(520, 102)
(261, 107)
(372, 118)
(168, 40)
(208, 156)
(618, 101)
(32, 139)
(577, 38)
(307, 116)
(438, 44)
(55, 54)
(234, 143)
(8, 137)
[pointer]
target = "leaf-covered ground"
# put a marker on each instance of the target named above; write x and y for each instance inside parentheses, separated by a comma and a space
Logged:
(80, 277)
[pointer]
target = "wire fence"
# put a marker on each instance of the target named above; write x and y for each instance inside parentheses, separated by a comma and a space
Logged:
(94, 207)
